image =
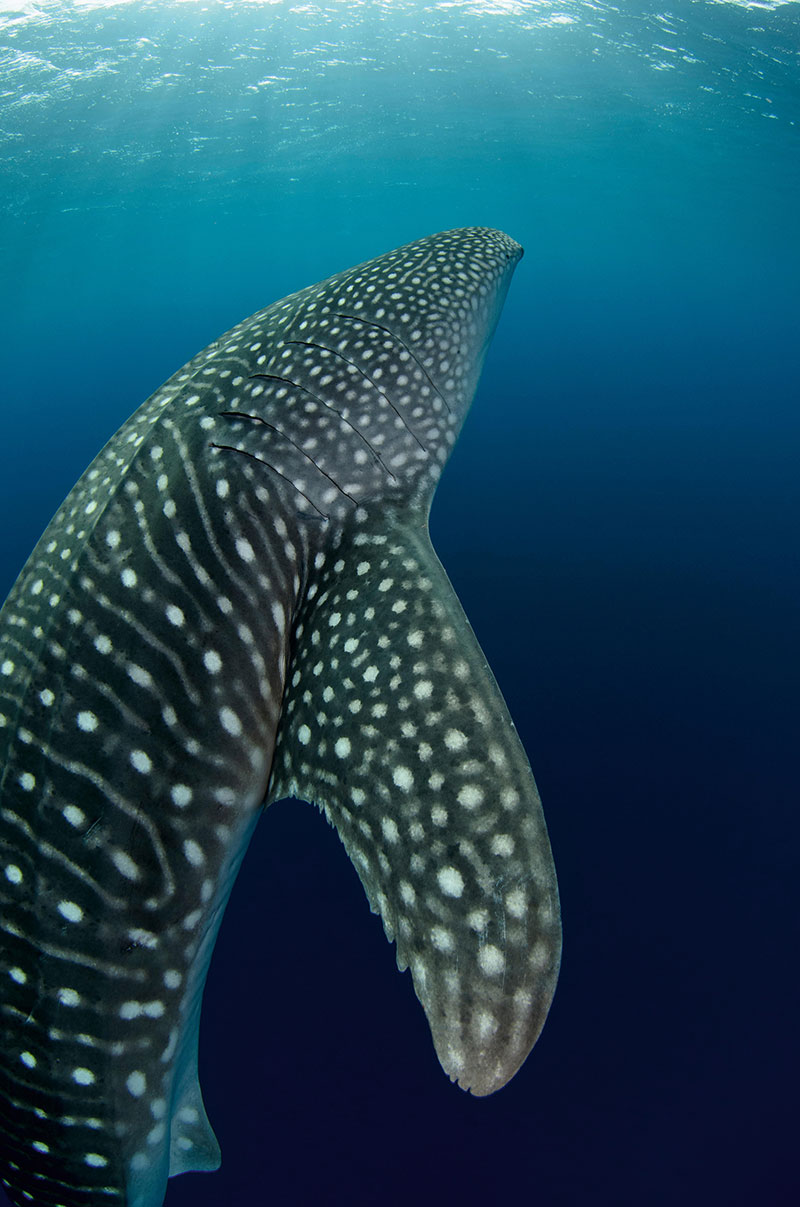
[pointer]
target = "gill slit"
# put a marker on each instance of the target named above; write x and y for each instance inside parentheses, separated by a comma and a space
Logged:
(287, 381)
(322, 347)
(230, 448)
(300, 449)
(392, 335)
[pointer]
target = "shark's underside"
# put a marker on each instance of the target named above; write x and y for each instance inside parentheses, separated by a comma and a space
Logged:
(237, 602)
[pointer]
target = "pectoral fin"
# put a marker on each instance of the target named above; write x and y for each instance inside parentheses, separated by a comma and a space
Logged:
(394, 725)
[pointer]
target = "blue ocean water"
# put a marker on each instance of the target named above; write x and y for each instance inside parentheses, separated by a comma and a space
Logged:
(619, 520)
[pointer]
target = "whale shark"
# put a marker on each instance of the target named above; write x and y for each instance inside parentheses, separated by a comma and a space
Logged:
(239, 602)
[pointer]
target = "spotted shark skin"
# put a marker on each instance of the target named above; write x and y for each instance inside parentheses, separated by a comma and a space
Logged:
(239, 601)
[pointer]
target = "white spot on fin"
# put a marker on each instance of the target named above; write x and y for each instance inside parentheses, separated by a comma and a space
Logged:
(192, 1143)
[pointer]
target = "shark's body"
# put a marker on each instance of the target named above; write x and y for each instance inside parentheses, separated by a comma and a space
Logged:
(237, 602)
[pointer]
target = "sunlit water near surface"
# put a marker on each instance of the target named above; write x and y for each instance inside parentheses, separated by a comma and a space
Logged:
(619, 519)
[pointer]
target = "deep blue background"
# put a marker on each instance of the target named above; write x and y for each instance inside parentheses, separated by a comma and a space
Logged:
(619, 519)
